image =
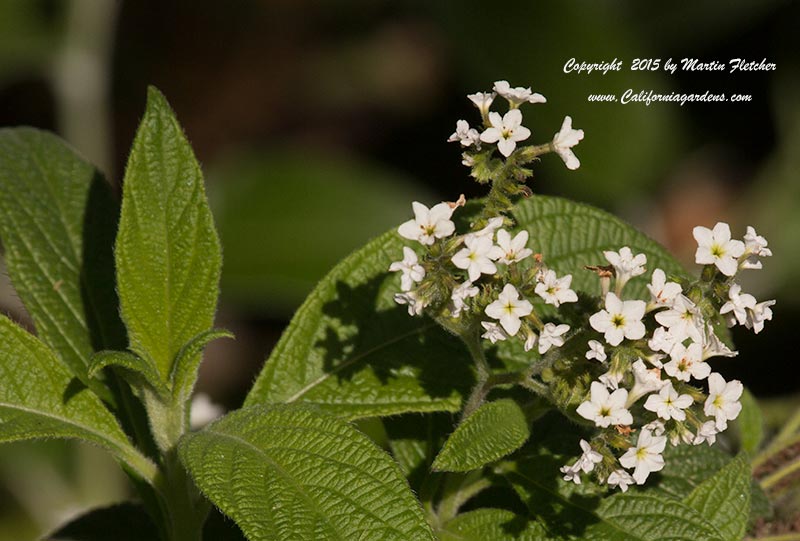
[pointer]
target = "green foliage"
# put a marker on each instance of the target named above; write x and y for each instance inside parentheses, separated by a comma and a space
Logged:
(187, 363)
(290, 472)
(167, 251)
(39, 399)
(492, 525)
(57, 223)
(749, 424)
(493, 431)
(724, 499)
(140, 372)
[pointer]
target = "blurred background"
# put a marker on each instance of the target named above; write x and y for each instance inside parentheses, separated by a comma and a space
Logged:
(317, 123)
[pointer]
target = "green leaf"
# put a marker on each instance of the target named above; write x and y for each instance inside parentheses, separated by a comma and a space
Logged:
(138, 368)
(352, 350)
(57, 222)
(184, 371)
(167, 251)
(121, 522)
(492, 525)
(40, 399)
(749, 424)
(493, 431)
(724, 499)
(290, 472)
(688, 466)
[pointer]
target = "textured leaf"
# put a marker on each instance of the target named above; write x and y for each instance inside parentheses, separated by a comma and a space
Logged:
(750, 424)
(57, 223)
(291, 472)
(351, 350)
(724, 499)
(492, 525)
(493, 431)
(138, 368)
(187, 361)
(167, 251)
(121, 522)
(39, 398)
(687, 466)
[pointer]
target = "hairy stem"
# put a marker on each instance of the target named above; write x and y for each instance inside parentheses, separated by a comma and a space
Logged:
(458, 489)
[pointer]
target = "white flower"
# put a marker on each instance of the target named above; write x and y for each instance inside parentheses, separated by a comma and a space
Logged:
(551, 336)
(585, 463)
(494, 332)
(605, 409)
(713, 346)
(488, 230)
(482, 100)
(687, 362)
(681, 434)
(760, 313)
(646, 380)
(517, 95)
(755, 246)
(662, 340)
(564, 140)
(460, 294)
(646, 457)
(611, 379)
(683, 319)
(625, 264)
(203, 411)
(464, 134)
(619, 320)
(510, 250)
(620, 478)
(596, 351)
(506, 131)
(428, 224)
(656, 427)
(723, 400)
(475, 258)
(667, 404)
(715, 247)
(737, 306)
(530, 340)
(555, 290)
(508, 308)
(572, 473)
(706, 433)
(415, 304)
(663, 293)
(410, 267)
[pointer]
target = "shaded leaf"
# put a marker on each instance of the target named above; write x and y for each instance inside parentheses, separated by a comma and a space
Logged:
(167, 251)
(749, 424)
(493, 431)
(724, 499)
(138, 368)
(290, 472)
(121, 522)
(492, 525)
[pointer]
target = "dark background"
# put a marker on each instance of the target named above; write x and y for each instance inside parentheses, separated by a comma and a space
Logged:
(317, 123)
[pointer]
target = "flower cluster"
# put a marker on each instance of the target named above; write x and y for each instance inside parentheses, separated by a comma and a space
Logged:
(658, 353)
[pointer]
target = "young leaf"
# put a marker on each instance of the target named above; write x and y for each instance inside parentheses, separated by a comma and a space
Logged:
(167, 251)
(351, 350)
(57, 223)
(492, 525)
(184, 371)
(493, 431)
(291, 472)
(750, 423)
(141, 372)
(40, 399)
(724, 499)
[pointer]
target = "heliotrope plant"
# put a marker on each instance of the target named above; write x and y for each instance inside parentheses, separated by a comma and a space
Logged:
(547, 375)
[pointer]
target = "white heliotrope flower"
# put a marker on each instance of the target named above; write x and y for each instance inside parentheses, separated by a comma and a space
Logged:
(414, 304)
(706, 433)
(410, 267)
(605, 408)
(517, 95)
(645, 381)
(555, 290)
(626, 265)
(687, 362)
(715, 247)
(645, 457)
(662, 293)
(756, 316)
(428, 224)
(464, 134)
(564, 140)
(460, 294)
(662, 340)
(506, 131)
(494, 332)
(723, 400)
(585, 463)
(508, 309)
(551, 336)
(596, 351)
(620, 320)
(510, 250)
(668, 404)
(755, 246)
(482, 100)
(475, 257)
(737, 306)
(488, 230)
(683, 319)
(713, 346)
(620, 478)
